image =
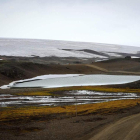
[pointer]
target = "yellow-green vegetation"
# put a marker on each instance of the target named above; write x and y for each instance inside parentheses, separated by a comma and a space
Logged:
(38, 112)
(16, 113)
(96, 88)
(52, 91)
(109, 89)
(38, 93)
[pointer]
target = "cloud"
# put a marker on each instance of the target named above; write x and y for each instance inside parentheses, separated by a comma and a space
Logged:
(103, 21)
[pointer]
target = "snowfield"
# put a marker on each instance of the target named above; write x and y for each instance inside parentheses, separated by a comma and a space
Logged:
(42, 48)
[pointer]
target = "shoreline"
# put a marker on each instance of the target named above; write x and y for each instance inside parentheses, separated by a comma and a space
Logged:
(80, 127)
(26, 123)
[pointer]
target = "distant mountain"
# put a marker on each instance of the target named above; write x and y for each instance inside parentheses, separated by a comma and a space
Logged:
(48, 48)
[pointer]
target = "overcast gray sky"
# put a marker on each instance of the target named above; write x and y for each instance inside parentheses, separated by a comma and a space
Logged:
(102, 21)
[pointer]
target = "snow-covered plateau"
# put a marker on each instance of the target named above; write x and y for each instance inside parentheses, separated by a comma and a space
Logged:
(48, 48)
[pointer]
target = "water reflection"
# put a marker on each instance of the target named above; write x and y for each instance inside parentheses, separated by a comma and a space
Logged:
(68, 98)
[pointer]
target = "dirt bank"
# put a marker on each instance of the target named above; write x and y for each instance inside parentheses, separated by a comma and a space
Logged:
(57, 126)
(11, 71)
(76, 128)
(125, 129)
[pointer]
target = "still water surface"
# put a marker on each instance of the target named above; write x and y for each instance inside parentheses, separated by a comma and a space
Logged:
(81, 80)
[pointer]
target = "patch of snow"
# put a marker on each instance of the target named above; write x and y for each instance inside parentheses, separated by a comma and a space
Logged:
(103, 94)
(134, 57)
(113, 54)
(101, 60)
(77, 97)
(55, 76)
(5, 87)
(50, 76)
(89, 54)
(42, 48)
